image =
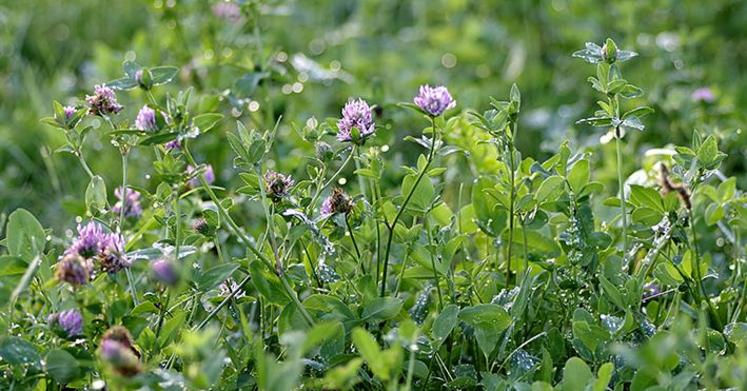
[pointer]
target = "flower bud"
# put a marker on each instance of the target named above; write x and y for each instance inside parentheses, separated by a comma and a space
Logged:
(74, 269)
(164, 271)
(69, 321)
(117, 350)
(609, 51)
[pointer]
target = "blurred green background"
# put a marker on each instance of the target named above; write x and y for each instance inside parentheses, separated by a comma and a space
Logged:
(257, 60)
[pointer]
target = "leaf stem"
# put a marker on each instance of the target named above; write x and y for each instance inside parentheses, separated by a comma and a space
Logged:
(621, 187)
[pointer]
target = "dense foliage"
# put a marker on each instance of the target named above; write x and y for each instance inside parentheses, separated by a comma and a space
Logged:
(212, 230)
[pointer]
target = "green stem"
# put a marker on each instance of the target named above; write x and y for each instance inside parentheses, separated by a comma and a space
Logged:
(433, 266)
(621, 186)
(402, 209)
(355, 244)
(319, 189)
(162, 313)
(248, 243)
(511, 212)
(128, 272)
(83, 163)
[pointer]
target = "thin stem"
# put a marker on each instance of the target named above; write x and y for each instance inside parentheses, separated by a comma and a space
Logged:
(268, 217)
(223, 303)
(433, 266)
(124, 192)
(83, 163)
(402, 209)
(355, 244)
(511, 212)
(162, 313)
(247, 242)
(128, 272)
(331, 179)
(621, 186)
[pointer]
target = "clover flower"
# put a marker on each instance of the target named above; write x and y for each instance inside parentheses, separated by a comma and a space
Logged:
(173, 145)
(228, 286)
(74, 269)
(70, 321)
(277, 185)
(112, 257)
(201, 225)
(69, 112)
(703, 94)
(129, 200)
(164, 271)
(337, 202)
(146, 119)
(116, 349)
(356, 114)
(103, 102)
(228, 11)
(434, 100)
(88, 242)
(208, 175)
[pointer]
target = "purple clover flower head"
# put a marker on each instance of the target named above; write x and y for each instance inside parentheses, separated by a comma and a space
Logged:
(704, 95)
(164, 271)
(69, 112)
(139, 76)
(88, 242)
(201, 225)
(337, 202)
(434, 100)
(74, 269)
(228, 11)
(112, 257)
(116, 349)
(356, 114)
(277, 185)
(103, 102)
(208, 175)
(173, 145)
(146, 119)
(70, 321)
(228, 286)
(130, 201)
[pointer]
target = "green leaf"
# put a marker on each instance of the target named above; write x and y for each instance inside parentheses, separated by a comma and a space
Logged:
(646, 197)
(159, 138)
(62, 366)
(423, 194)
(576, 375)
(714, 213)
(604, 375)
(370, 352)
(549, 189)
(163, 74)
(268, 284)
(579, 175)
(613, 294)
(489, 321)
(327, 307)
(708, 154)
(736, 333)
(96, 195)
(381, 308)
(25, 236)
(215, 275)
(205, 122)
(17, 352)
(444, 324)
